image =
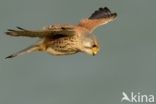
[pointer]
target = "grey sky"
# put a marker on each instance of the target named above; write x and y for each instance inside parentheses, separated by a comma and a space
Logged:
(126, 61)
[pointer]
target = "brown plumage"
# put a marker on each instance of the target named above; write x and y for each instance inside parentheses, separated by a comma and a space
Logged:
(66, 39)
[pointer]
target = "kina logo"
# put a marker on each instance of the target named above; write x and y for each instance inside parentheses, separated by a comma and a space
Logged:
(137, 98)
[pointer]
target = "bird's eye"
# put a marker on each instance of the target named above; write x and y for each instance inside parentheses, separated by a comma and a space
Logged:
(94, 45)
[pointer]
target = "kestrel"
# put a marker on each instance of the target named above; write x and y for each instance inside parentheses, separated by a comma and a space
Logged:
(66, 39)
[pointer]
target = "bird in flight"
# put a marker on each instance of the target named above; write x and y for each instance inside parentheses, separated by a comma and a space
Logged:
(66, 39)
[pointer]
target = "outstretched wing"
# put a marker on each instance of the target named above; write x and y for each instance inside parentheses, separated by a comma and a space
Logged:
(98, 18)
(41, 33)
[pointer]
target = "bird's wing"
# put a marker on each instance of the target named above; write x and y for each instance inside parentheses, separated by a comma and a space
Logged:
(41, 33)
(100, 17)
(58, 27)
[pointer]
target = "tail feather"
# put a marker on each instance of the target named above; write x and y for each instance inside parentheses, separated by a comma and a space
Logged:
(20, 28)
(24, 51)
(18, 32)
(23, 32)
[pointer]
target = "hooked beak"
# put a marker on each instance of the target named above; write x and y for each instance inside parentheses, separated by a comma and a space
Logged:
(95, 50)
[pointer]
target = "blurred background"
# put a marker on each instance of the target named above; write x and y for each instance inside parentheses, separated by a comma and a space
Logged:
(126, 62)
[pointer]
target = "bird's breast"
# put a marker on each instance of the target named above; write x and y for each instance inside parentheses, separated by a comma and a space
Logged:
(65, 45)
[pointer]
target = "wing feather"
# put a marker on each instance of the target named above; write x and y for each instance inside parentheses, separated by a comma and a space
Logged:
(41, 33)
(100, 17)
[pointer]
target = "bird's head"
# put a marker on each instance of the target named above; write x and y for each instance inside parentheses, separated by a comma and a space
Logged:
(90, 45)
